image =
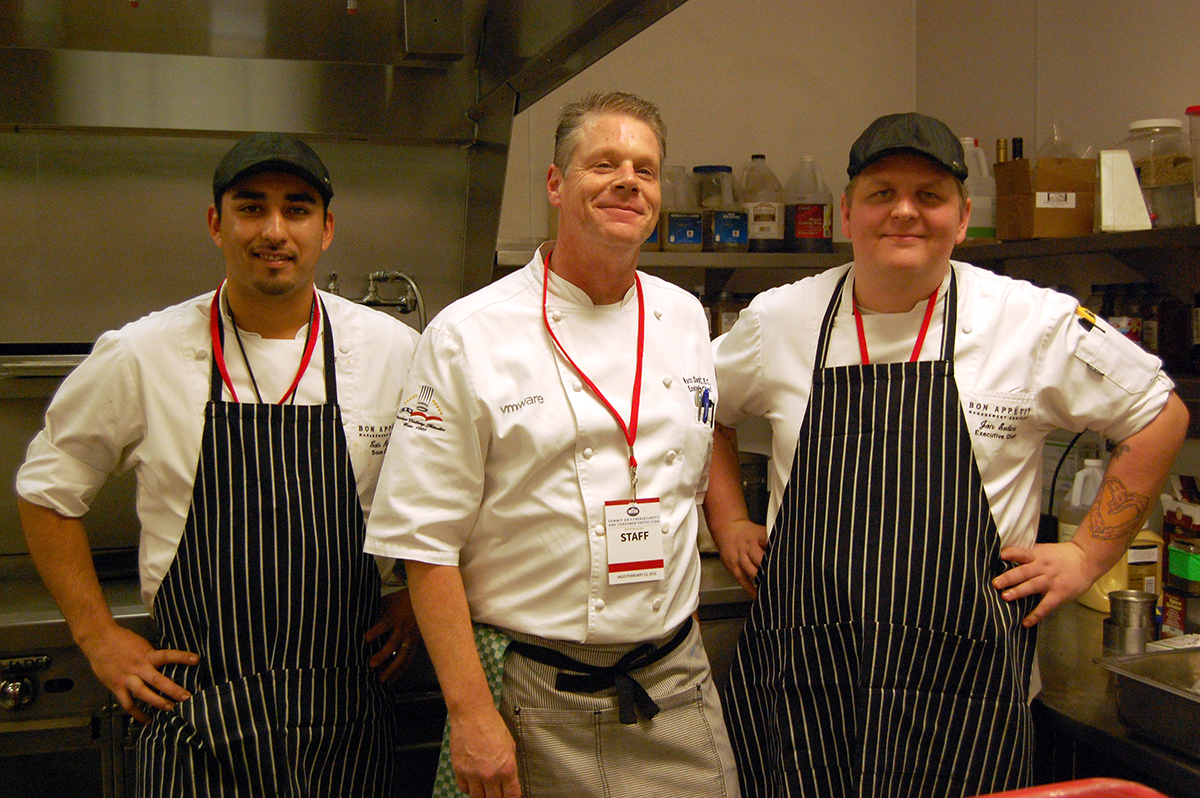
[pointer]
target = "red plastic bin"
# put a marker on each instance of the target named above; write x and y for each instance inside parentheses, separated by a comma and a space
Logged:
(1082, 788)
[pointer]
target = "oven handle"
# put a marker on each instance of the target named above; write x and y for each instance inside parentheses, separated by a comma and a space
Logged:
(27, 366)
(48, 724)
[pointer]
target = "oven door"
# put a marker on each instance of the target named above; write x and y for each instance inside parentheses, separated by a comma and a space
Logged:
(66, 756)
(61, 732)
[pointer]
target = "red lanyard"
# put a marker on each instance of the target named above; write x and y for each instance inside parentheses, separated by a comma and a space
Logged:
(629, 430)
(310, 343)
(862, 337)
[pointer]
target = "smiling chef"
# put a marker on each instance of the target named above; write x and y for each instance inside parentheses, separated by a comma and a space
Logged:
(254, 418)
(542, 482)
(888, 650)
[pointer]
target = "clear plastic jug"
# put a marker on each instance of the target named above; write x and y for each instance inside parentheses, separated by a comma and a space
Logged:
(1084, 490)
(981, 188)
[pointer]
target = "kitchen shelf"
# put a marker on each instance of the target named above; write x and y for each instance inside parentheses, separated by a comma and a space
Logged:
(1112, 243)
(1166, 256)
(516, 253)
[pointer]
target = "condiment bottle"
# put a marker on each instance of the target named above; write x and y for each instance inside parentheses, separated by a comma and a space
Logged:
(1144, 558)
(762, 197)
(808, 213)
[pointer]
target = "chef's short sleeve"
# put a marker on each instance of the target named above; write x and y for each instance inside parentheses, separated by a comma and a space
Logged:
(432, 478)
(737, 361)
(92, 424)
(1094, 377)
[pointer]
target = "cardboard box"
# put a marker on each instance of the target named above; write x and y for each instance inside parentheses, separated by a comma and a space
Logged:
(1045, 198)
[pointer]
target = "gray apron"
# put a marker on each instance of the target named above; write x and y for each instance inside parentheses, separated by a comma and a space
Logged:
(271, 588)
(877, 659)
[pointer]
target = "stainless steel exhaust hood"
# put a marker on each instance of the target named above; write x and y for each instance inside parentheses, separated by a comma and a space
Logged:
(432, 84)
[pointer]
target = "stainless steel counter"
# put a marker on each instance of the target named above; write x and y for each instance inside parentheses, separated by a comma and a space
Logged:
(29, 618)
(1076, 710)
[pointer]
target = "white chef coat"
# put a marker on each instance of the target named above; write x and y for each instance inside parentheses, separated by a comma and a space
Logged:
(1025, 365)
(137, 401)
(502, 459)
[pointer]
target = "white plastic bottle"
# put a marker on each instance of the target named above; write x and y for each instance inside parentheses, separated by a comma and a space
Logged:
(981, 188)
(1079, 500)
(808, 213)
(1083, 492)
(762, 197)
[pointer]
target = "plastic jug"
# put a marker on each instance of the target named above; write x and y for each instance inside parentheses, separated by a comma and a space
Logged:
(1083, 492)
(679, 228)
(1079, 500)
(981, 188)
(762, 197)
(808, 213)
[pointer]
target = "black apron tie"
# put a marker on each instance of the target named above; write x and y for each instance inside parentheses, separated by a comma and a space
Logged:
(584, 678)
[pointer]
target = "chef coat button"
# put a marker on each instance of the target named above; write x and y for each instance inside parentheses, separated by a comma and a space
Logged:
(577, 386)
(657, 604)
(658, 314)
(202, 354)
(667, 380)
(599, 530)
(344, 349)
(599, 604)
(587, 453)
(967, 328)
(666, 528)
(557, 315)
(671, 457)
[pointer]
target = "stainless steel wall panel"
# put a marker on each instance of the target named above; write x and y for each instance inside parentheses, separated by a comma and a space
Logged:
(134, 91)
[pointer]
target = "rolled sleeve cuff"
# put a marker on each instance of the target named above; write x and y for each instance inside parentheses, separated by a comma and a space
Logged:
(54, 479)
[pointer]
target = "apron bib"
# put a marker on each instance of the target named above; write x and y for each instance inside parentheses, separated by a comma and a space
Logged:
(877, 659)
(270, 586)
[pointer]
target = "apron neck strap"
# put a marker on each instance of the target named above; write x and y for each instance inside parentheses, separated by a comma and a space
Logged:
(217, 379)
(331, 395)
(949, 319)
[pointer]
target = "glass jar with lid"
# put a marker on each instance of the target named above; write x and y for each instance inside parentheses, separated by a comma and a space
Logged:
(1162, 158)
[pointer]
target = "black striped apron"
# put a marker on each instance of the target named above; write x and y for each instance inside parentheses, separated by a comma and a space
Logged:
(877, 659)
(271, 588)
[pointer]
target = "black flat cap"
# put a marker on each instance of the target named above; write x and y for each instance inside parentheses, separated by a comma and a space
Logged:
(910, 132)
(271, 152)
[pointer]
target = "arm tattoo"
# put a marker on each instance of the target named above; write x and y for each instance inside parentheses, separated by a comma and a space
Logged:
(1121, 511)
(1120, 450)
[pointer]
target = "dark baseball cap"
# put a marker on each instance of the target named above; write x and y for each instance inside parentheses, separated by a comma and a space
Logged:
(271, 152)
(910, 132)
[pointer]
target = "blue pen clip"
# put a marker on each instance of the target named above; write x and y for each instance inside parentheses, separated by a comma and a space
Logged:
(705, 405)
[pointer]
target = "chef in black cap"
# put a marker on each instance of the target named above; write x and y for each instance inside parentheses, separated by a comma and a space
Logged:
(255, 418)
(890, 644)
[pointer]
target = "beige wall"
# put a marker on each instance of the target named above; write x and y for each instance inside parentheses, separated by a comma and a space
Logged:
(795, 77)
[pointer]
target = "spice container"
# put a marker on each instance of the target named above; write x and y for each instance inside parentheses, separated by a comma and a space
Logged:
(679, 221)
(1162, 159)
(1181, 594)
(724, 223)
